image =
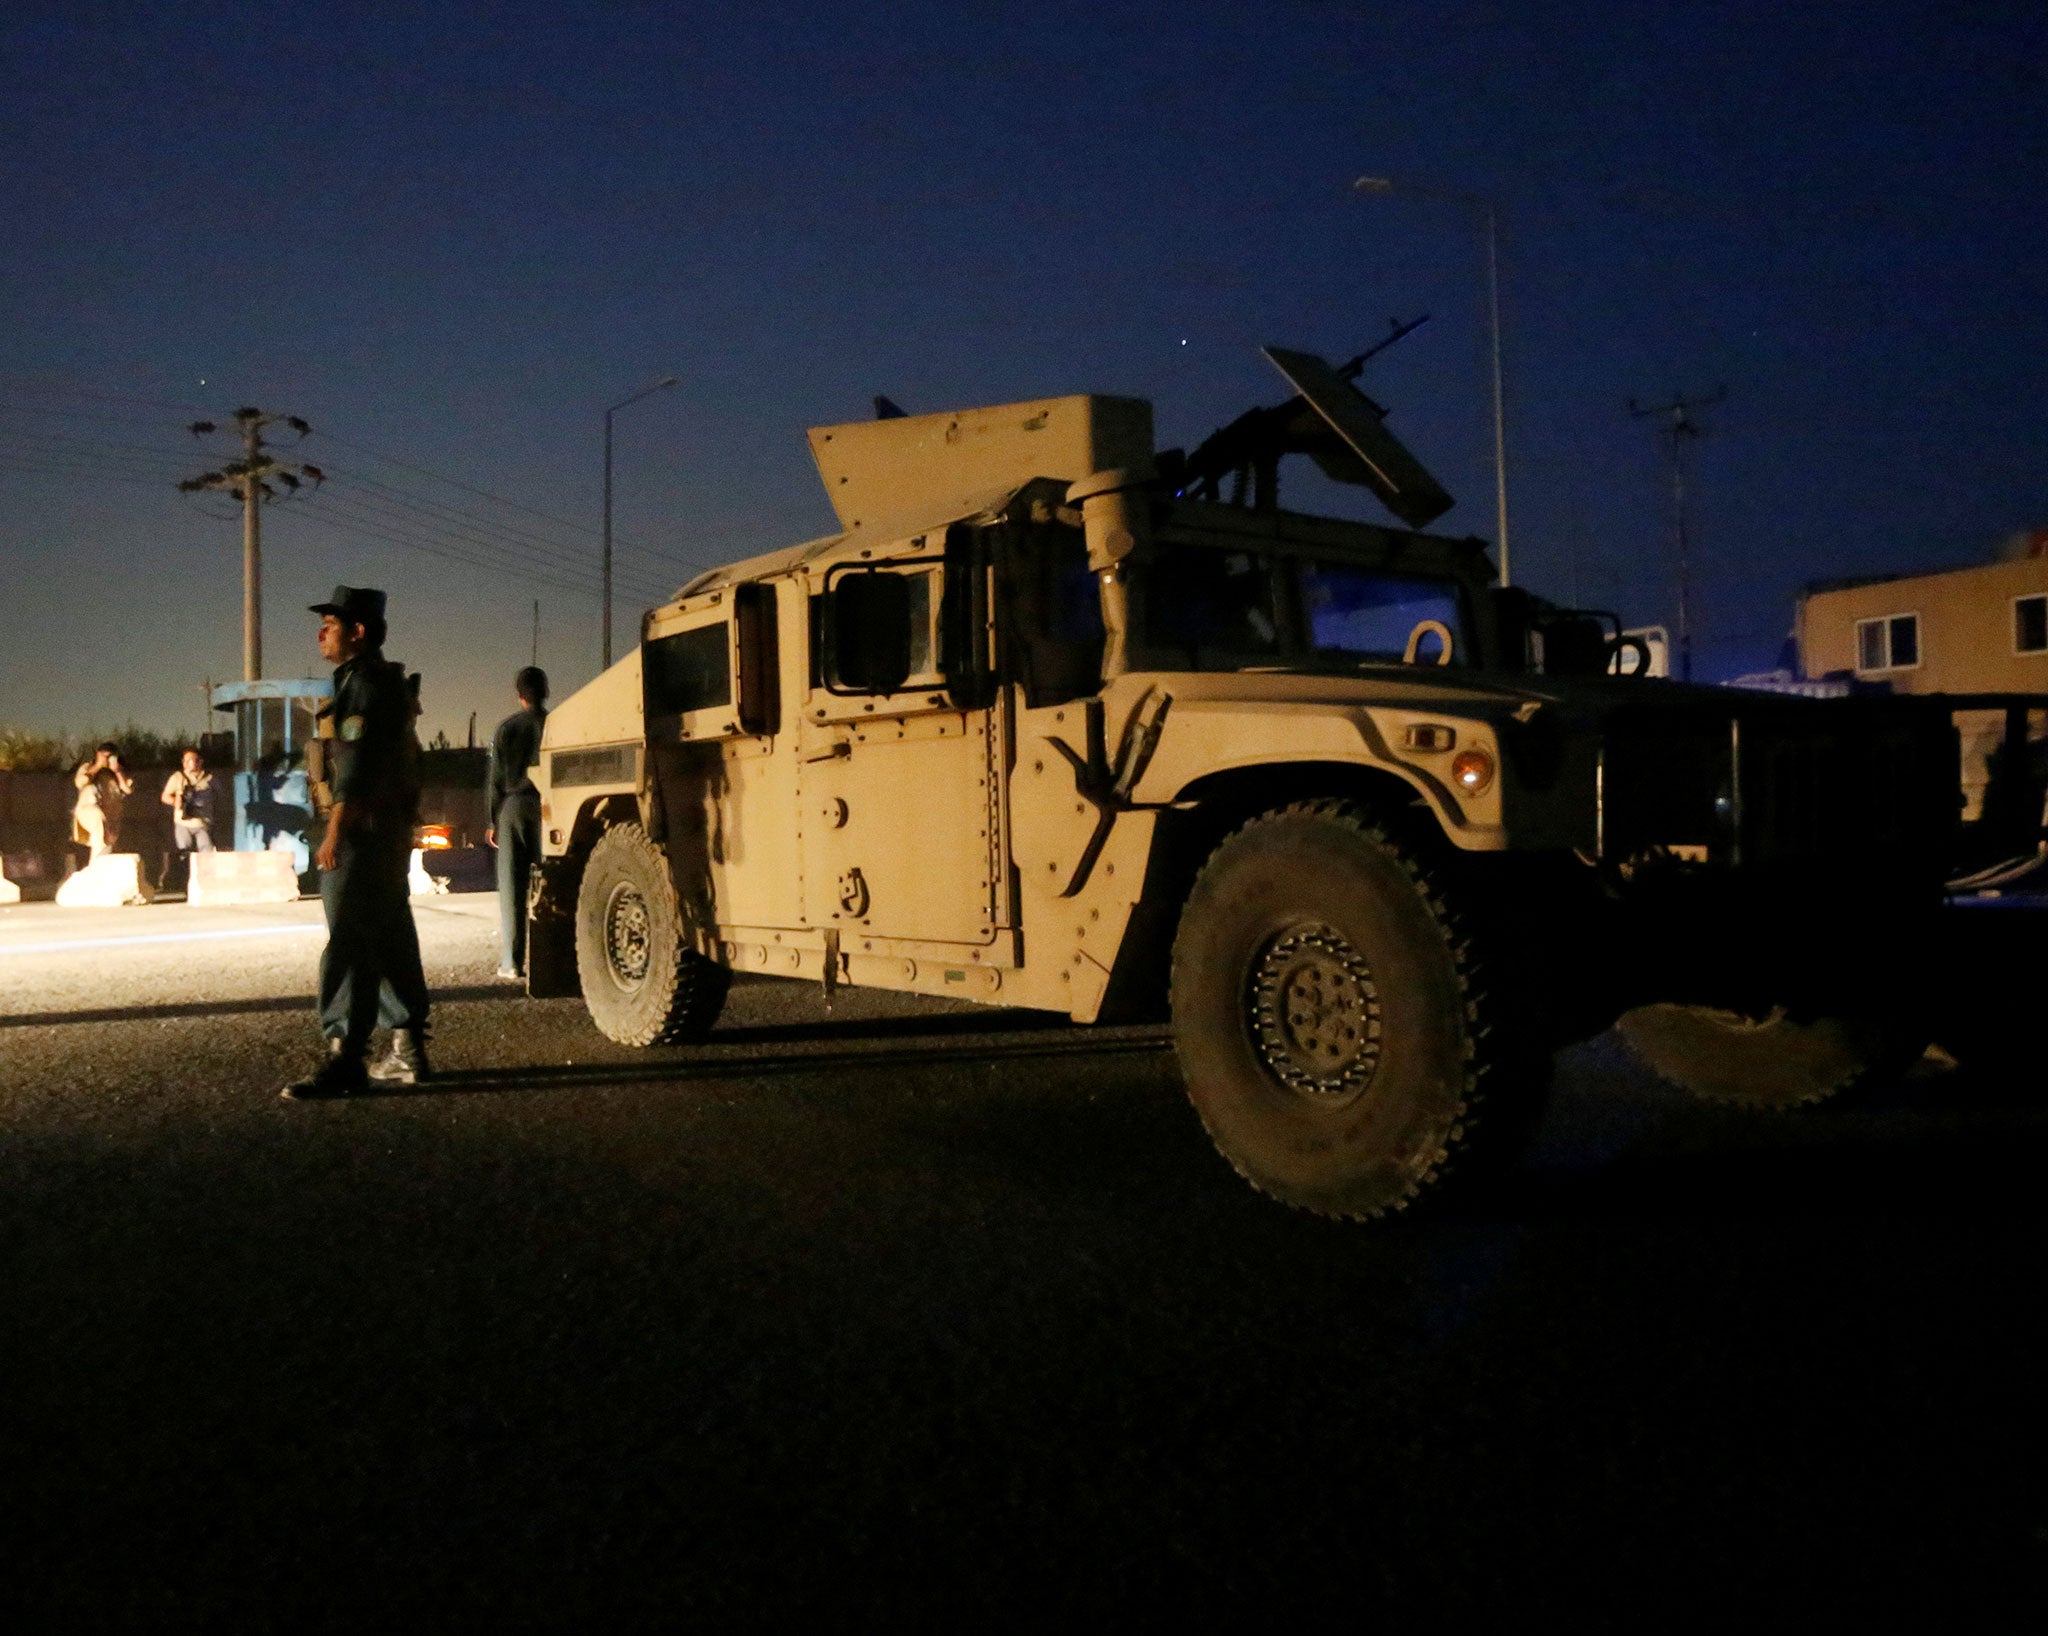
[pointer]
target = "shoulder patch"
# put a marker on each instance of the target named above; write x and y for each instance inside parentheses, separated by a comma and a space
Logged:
(352, 727)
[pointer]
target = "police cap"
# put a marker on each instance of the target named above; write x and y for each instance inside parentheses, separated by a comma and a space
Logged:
(353, 605)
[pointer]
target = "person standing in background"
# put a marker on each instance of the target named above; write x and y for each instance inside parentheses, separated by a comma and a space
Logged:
(515, 813)
(103, 784)
(189, 793)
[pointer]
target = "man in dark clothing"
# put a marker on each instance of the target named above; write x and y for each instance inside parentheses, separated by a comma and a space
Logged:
(372, 770)
(515, 813)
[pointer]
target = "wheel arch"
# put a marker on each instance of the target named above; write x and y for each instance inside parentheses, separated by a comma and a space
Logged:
(551, 958)
(1207, 811)
(1233, 794)
(597, 815)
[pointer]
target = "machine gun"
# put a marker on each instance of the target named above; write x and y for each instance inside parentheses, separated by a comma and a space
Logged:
(1329, 420)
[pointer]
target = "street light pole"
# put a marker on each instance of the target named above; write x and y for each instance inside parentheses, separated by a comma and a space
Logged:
(645, 392)
(1500, 413)
(1489, 215)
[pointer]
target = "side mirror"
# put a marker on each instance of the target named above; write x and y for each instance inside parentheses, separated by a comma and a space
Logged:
(868, 629)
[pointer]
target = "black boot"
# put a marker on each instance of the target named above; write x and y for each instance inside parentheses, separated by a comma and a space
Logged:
(340, 1075)
(406, 1062)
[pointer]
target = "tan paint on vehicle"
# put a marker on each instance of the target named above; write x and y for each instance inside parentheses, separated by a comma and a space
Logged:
(911, 840)
(888, 477)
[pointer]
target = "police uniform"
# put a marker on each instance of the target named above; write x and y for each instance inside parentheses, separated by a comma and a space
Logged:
(515, 813)
(370, 969)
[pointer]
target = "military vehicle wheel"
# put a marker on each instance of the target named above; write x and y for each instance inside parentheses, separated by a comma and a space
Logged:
(642, 981)
(1771, 1061)
(1327, 1012)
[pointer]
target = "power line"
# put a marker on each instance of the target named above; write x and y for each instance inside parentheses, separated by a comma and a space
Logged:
(369, 519)
(434, 507)
(74, 469)
(395, 521)
(374, 510)
(399, 511)
(357, 502)
(367, 528)
(725, 543)
(365, 531)
(481, 530)
(95, 445)
(118, 419)
(409, 465)
(496, 499)
(694, 563)
(175, 406)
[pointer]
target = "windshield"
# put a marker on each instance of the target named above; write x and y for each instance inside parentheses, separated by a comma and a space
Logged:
(1215, 609)
(1365, 615)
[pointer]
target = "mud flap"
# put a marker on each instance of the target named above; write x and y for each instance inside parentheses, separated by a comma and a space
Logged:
(551, 930)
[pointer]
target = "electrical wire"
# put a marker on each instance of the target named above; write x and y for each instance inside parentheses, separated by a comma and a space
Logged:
(524, 543)
(371, 514)
(78, 469)
(340, 511)
(724, 544)
(383, 493)
(499, 499)
(367, 506)
(363, 531)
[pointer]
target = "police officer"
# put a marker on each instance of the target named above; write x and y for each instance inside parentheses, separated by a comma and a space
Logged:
(515, 813)
(372, 948)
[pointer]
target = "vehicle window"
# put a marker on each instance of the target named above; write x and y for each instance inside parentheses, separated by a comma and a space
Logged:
(1050, 609)
(1363, 614)
(1215, 606)
(1076, 599)
(690, 670)
(923, 627)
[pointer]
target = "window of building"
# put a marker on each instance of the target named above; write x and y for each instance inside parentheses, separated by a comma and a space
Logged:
(2030, 624)
(1891, 643)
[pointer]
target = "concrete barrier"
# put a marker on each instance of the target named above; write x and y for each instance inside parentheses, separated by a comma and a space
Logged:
(417, 878)
(241, 877)
(110, 880)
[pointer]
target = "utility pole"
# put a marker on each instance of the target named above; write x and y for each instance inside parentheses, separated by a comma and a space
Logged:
(645, 392)
(1680, 430)
(250, 480)
(535, 660)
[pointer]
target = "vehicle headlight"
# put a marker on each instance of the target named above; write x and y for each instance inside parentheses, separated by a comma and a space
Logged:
(1471, 771)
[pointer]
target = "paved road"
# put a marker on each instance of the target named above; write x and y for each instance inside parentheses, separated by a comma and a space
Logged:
(915, 1311)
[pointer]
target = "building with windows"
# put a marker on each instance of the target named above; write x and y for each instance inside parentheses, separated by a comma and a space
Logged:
(1982, 629)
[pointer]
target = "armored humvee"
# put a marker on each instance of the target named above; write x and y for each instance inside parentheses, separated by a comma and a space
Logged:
(1060, 721)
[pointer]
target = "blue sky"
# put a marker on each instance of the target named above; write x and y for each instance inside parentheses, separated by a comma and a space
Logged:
(450, 234)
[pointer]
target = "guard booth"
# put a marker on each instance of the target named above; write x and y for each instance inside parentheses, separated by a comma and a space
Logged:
(273, 720)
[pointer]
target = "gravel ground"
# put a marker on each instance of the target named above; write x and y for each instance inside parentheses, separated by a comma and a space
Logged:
(911, 1310)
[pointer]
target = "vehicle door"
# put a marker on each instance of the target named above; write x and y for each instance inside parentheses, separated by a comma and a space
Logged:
(900, 796)
(726, 800)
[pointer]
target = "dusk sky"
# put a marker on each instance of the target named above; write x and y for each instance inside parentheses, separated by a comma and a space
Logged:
(449, 235)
